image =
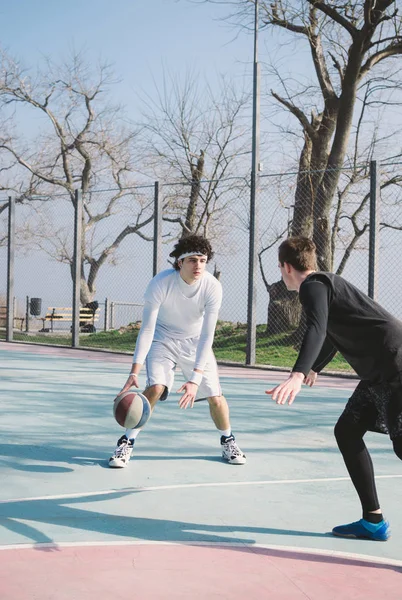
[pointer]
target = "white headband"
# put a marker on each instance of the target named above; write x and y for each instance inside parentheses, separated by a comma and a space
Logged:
(185, 254)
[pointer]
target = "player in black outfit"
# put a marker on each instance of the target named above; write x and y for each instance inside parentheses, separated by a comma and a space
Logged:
(341, 318)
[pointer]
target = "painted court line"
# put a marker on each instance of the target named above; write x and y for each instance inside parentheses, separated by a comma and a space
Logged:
(181, 486)
(315, 551)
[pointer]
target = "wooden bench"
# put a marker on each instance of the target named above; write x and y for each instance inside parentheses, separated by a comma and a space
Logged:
(88, 318)
(3, 318)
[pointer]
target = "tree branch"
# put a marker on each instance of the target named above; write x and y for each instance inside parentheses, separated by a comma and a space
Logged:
(335, 16)
(298, 113)
(374, 59)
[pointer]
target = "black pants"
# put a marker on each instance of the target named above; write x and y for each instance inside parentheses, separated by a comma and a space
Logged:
(349, 436)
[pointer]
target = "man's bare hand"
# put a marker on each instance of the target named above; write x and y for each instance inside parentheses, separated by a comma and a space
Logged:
(310, 378)
(190, 391)
(132, 381)
(288, 390)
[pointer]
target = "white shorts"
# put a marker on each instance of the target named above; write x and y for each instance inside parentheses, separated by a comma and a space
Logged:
(163, 358)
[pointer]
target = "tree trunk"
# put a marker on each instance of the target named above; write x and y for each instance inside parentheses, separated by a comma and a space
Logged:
(217, 273)
(302, 223)
(86, 294)
(286, 312)
(327, 188)
(284, 309)
(197, 173)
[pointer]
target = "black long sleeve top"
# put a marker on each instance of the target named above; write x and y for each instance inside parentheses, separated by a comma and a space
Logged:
(342, 318)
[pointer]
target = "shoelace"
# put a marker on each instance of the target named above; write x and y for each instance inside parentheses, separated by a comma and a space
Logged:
(122, 450)
(233, 448)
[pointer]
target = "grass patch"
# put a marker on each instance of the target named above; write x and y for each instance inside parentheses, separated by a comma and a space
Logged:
(40, 338)
(274, 350)
(229, 345)
(110, 340)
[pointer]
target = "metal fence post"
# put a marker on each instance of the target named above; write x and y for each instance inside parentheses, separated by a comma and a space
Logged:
(374, 231)
(27, 315)
(252, 265)
(112, 315)
(78, 214)
(10, 270)
(106, 320)
(157, 231)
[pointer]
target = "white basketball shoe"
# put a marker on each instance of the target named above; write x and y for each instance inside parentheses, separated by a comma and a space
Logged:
(231, 451)
(122, 454)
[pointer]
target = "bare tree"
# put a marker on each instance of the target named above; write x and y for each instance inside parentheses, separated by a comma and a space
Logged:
(82, 144)
(350, 217)
(198, 139)
(346, 42)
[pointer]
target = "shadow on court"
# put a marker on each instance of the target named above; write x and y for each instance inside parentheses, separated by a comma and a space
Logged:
(50, 454)
(154, 530)
(38, 455)
(63, 511)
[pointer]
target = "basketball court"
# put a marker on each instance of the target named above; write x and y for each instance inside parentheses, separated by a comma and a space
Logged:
(178, 522)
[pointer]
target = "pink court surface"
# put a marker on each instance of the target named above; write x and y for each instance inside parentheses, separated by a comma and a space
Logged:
(178, 522)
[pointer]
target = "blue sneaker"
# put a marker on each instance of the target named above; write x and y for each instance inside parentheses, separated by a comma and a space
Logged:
(378, 532)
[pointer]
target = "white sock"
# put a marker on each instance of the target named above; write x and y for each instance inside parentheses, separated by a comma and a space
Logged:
(131, 434)
(225, 432)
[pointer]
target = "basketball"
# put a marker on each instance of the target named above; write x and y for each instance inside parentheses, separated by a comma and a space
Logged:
(131, 409)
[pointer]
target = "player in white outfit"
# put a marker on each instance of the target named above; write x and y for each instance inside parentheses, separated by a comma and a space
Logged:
(178, 327)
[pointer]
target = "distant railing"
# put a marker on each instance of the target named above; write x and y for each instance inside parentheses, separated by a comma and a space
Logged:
(118, 314)
(113, 315)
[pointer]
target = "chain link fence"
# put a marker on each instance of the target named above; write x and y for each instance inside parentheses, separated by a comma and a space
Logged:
(280, 315)
(390, 237)
(41, 274)
(129, 234)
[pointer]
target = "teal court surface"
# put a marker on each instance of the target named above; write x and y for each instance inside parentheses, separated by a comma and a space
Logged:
(178, 522)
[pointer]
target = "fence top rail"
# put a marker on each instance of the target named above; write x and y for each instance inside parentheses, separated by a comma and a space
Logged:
(188, 182)
(328, 170)
(389, 161)
(126, 303)
(125, 189)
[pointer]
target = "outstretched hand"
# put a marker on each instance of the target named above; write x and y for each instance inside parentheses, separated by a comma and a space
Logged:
(310, 378)
(132, 381)
(188, 398)
(288, 390)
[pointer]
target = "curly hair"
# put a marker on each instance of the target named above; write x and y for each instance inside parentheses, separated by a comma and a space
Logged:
(300, 252)
(192, 243)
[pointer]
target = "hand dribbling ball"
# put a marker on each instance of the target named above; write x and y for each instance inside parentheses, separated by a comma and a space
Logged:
(131, 409)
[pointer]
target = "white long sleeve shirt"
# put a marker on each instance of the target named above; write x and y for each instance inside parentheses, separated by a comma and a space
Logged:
(174, 309)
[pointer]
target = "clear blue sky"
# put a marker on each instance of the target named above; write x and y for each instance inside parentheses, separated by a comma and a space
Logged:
(139, 38)
(144, 38)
